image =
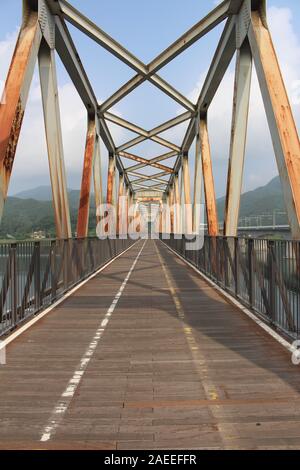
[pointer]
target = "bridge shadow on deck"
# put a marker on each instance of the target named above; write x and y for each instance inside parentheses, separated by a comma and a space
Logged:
(213, 316)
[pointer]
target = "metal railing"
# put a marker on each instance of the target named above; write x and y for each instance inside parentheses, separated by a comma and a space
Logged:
(35, 274)
(263, 275)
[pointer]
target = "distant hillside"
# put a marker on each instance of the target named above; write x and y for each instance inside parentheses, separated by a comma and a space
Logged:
(44, 193)
(32, 210)
(260, 201)
(24, 216)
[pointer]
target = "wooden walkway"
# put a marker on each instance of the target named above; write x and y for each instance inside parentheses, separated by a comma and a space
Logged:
(164, 363)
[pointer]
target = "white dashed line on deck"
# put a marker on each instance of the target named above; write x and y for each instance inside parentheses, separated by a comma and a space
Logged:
(68, 394)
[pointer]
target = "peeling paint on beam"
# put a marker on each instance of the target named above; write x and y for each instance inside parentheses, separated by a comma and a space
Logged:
(280, 118)
(84, 202)
(15, 96)
(209, 187)
(144, 161)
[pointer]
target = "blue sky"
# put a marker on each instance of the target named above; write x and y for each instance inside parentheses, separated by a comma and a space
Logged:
(146, 28)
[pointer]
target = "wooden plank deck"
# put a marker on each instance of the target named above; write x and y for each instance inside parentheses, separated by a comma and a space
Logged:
(177, 366)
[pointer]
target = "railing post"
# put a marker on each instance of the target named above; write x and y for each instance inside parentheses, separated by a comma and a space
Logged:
(14, 283)
(66, 263)
(250, 270)
(236, 264)
(37, 275)
(53, 269)
(226, 248)
(272, 282)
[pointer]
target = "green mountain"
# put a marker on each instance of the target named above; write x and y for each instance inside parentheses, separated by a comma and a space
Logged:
(32, 210)
(260, 201)
(44, 193)
(24, 216)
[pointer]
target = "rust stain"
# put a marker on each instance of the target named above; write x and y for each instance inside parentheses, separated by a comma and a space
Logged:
(13, 138)
(84, 204)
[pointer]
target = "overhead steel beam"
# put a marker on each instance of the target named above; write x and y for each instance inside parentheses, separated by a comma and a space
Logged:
(70, 58)
(216, 16)
(145, 135)
(241, 99)
(221, 60)
(160, 158)
(125, 90)
(109, 143)
(84, 24)
(148, 177)
(153, 132)
(89, 28)
(130, 156)
(147, 188)
(211, 20)
(280, 118)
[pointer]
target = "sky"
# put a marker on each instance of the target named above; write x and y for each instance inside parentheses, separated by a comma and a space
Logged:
(146, 28)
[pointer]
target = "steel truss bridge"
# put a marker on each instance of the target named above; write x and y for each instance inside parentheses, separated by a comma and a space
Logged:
(182, 341)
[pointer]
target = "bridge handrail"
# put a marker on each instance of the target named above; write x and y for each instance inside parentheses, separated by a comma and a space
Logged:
(34, 274)
(264, 275)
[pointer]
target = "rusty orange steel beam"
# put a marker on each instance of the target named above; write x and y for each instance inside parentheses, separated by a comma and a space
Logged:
(131, 156)
(15, 96)
(120, 213)
(280, 118)
(110, 178)
(84, 203)
(187, 195)
(209, 187)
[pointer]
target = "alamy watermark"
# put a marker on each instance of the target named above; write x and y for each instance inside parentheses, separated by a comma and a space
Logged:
(136, 221)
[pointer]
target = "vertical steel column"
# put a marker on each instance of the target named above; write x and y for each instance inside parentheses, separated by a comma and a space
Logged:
(177, 203)
(97, 174)
(120, 214)
(182, 204)
(14, 99)
(280, 118)
(84, 204)
(197, 183)
(126, 209)
(240, 112)
(171, 205)
(130, 207)
(49, 89)
(111, 176)
(187, 194)
(209, 187)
